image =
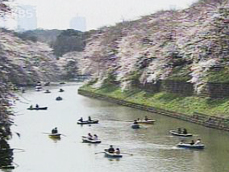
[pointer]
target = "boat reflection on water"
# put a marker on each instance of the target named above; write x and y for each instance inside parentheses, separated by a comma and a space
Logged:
(113, 159)
(6, 156)
(55, 140)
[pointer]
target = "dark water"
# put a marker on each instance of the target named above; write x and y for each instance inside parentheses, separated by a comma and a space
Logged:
(152, 147)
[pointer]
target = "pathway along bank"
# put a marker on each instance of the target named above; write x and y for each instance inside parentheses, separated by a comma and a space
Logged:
(197, 118)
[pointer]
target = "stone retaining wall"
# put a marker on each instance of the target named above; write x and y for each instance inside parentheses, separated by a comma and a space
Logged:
(217, 90)
(178, 87)
(197, 118)
(212, 90)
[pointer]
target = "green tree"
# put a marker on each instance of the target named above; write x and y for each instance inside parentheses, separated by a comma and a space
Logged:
(71, 69)
(69, 40)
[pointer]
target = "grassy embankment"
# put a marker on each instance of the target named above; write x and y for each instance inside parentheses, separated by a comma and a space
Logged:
(167, 101)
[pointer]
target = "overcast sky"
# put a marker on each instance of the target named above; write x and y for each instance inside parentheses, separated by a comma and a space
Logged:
(97, 13)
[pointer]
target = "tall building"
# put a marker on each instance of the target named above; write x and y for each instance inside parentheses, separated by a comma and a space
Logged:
(78, 23)
(26, 18)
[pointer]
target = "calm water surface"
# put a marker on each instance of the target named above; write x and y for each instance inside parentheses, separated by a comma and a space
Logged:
(152, 147)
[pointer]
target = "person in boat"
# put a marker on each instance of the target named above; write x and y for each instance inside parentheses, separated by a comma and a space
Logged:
(89, 118)
(185, 131)
(37, 106)
(95, 137)
(179, 130)
(61, 90)
(89, 136)
(54, 130)
(59, 98)
(198, 141)
(192, 142)
(146, 118)
(31, 107)
(117, 151)
(111, 149)
(135, 122)
(81, 119)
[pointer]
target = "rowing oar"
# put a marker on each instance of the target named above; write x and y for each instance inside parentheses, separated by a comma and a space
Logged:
(21, 150)
(16, 164)
(45, 133)
(18, 134)
(99, 152)
(128, 154)
(23, 102)
(51, 133)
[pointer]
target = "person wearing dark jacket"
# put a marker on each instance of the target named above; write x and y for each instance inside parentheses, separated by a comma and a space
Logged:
(54, 131)
(111, 149)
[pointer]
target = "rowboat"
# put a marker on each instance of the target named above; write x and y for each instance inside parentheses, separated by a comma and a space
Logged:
(149, 121)
(175, 133)
(39, 108)
(7, 167)
(6, 151)
(112, 155)
(87, 140)
(47, 84)
(135, 126)
(88, 122)
(47, 91)
(38, 88)
(59, 98)
(55, 135)
(191, 146)
(61, 90)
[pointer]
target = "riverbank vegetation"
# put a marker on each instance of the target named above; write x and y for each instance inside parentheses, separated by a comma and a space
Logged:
(189, 46)
(168, 101)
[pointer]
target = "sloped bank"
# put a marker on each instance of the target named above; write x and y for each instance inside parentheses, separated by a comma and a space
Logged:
(131, 99)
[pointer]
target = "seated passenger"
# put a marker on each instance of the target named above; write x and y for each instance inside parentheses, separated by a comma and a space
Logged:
(185, 131)
(89, 136)
(192, 142)
(117, 151)
(37, 106)
(146, 118)
(89, 118)
(197, 142)
(135, 122)
(111, 149)
(95, 137)
(54, 131)
(81, 119)
(179, 130)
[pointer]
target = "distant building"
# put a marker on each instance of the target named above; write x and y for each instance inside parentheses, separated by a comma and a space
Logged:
(78, 23)
(26, 18)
